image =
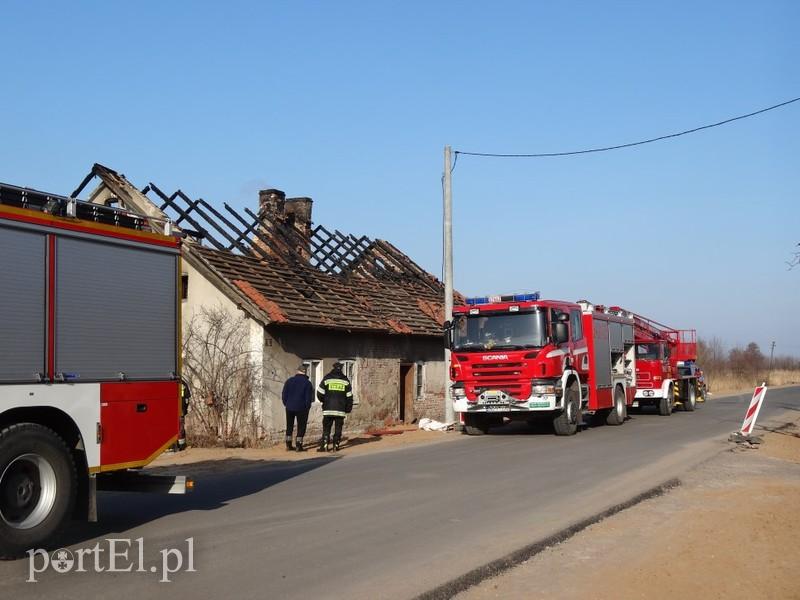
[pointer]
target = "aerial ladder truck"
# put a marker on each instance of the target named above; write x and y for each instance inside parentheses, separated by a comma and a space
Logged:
(666, 366)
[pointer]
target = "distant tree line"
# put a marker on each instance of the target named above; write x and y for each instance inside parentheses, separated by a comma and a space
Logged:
(748, 362)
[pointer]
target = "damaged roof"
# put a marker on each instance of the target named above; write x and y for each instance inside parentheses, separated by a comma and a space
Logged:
(295, 274)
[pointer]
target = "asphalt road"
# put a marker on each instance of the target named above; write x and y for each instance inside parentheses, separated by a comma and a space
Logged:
(384, 525)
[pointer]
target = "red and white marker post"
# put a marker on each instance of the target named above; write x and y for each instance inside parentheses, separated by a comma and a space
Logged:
(752, 411)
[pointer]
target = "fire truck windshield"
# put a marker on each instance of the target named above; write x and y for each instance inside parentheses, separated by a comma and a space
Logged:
(500, 331)
(647, 351)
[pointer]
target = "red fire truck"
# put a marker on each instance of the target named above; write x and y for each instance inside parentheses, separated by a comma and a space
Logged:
(89, 359)
(522, 358)
(666, 371)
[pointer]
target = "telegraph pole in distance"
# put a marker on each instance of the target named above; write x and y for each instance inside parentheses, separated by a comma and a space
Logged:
(447, 190)
(771, 352)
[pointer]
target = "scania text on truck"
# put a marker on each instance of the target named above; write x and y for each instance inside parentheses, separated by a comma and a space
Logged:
(519, 357)
(89, 360)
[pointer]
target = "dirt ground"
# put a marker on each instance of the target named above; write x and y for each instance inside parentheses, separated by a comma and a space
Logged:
(731, 530)
(391, 438)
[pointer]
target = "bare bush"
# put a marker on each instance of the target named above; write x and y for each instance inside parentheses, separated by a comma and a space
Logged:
(711, 354)
(219, 364)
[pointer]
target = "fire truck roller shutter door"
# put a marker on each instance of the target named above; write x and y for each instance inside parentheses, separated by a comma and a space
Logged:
(23, 290)
(115, 310)
(602, 354)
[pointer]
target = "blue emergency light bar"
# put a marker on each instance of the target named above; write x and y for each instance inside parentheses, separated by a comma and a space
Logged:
(506, 298)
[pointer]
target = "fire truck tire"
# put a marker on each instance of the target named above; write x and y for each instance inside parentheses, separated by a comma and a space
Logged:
(38, 484)
(691, 397)
(617, 414)
(567, 421)
(665, 404)
(476, 424)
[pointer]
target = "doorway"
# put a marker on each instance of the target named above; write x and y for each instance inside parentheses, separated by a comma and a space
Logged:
(406, 408)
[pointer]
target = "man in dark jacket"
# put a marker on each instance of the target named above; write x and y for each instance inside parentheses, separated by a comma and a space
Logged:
(336, 395)
(297, 398)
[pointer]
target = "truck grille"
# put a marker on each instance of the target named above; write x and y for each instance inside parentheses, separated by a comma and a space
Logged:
(507, 369)
(501, 376)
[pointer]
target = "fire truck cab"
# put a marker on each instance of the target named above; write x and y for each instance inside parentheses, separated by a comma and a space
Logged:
(518, 357)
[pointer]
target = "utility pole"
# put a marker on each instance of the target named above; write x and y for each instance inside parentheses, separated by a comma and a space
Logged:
(771, 352)
(449, 414)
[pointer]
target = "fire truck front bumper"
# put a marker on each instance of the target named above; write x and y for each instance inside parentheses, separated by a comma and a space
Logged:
(649, 393)
(500, 401)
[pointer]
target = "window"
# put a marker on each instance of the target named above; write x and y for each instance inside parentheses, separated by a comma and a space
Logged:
(184, 286)
(349, 369)
(647, 351)
(418, 380)
(576, 325)
(314, 372)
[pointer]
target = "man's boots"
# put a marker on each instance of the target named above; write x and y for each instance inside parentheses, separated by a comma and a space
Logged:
(323, 444)
(299, 446)
(289, 447)
(336, 441)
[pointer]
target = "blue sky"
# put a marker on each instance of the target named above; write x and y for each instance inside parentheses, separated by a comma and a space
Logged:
(351, 103)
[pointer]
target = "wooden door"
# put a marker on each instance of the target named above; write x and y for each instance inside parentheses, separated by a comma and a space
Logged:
(406, 408)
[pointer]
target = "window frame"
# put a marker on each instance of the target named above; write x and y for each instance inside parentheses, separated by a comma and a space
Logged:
(350, 370)
(314, 371)
(419, 380)
(576, 323)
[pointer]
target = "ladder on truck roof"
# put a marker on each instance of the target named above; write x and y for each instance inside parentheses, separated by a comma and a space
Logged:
(62, 206)
(683, 341)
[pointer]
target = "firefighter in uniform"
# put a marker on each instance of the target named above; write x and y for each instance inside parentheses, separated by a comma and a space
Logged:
(336, 395)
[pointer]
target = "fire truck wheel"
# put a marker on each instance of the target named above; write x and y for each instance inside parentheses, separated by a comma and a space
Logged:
(476, 425)
(665, 404)
(567, 421)
(38, 485)
(691, 401)
(617, 414)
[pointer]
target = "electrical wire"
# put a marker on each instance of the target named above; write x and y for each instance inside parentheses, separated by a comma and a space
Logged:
(629, 145)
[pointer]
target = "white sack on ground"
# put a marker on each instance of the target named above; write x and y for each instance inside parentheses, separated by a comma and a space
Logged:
(430, 425)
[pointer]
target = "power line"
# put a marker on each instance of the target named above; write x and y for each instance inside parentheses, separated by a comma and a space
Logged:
(631, 144)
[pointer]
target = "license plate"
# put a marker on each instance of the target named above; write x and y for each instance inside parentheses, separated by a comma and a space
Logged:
(496, 407)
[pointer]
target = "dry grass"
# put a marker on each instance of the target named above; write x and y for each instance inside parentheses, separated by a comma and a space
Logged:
(725, 382)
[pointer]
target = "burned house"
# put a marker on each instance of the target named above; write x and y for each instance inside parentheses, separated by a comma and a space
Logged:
(307, 294)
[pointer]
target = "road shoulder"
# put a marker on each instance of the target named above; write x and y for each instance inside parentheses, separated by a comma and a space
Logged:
(729, 530)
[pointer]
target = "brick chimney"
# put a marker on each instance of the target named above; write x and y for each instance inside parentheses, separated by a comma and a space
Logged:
(276, 210)
(298, 213)
(271, 204)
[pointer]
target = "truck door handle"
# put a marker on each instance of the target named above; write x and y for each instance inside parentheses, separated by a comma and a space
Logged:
(140, 408)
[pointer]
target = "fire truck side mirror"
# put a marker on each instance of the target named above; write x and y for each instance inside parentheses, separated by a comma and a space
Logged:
(561, 333)
(448, 334)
